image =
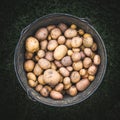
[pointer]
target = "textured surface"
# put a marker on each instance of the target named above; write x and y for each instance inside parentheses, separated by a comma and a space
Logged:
(104, 15)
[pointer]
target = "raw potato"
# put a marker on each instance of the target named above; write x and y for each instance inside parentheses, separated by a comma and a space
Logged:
(44, 92)
(88, 52)
(29, 65)
(87, 35)
(64, 72)
(82, 55)
(50, 27)
(66, 61)
(85, 76)
(69, 68)
(44, 63)
(37, 70)
(53, 66)
(58, 63)
(92, 70)
(52, 45)
(49, 37)
(32, 83)
(60, 52)
(77, 65)
(70, 33)
(32, 44)
(36, 58)
(59, 87)
(43, 44)
(82, 84)
(38, 87)
(91, 77)
(49, 56)
(41, 53)
(48, 88)
(73, 26)
(56, 95)
(62, 27)
(81, 31)
(41, 80)
(96, 60)
(61, 40)
(75, 77)
(76, 49)
(70, 52)
(76, 42)
(72, 91)
(28, 55)
(76, 56)
(55, 33)
(41, 34)
(87, 62)
(83, 72)
(51, 77)
(66, 80)
(31, 76)
(68, 43)
(88, 42)
(94, 47)
(67, 86)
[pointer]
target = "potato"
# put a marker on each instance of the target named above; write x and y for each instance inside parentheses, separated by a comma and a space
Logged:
(66, 80)
(60, 52)
(32, 83)
(58, 63)
(88, 42)
(92, 55)
(83, 72)
(72, 91)
(68, 43)
(94, 47)
(91, 77)
(50, 27)
(49, 37)
(52, 45)
(48, 88)
(62, 27)
(76, 49)
(70, 33)
(41, 80)
(87, 35)
(31, 76)
(43, 44)
(85, 76)
(32, 44)
(70, 52)
(37, 70)
(59, 87)
(81, 32)
(88, 52)
(49, 56)
(51, 77)
(75, 77)
(82, 55)
(96, 60)
(69, 68)
(61, 78)
(28, 55)
(41, 53)
(64, 72)
(76, 56)
(67, 86)
(44, 63)
(41, 34)
(44, 92)
(73, 26)
(29, 65)
(77, 65)
(38, 87)
(66, 61)
(56, 95)
(92, 70)
(61, 40)
(36, 58)
(55, 33)
(82, 47)
(76, 42)
(82, 84)
(87, 62)
(53, 66)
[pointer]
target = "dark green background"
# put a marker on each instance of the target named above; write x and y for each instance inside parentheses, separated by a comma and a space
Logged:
(104, 104)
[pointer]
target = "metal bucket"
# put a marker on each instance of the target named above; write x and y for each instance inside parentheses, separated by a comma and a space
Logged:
(55, 19)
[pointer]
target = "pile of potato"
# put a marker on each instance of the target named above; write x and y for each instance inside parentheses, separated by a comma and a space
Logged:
(60, 60)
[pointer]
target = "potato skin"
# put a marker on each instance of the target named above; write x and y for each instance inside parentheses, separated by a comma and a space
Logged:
(38, 87)
(32, 44)
(66, 80)
(52, 45)
(49, 56)
(37, 70)
(50, 27)
(64, 72)
(82, 84)
(69, 68)
(87, 62)
(96, 60)
(41, 34)
(31, 76)
(28, 55)
(70, 33)
(32, 83)
(44, 63)
(88, 42)
(59, 87)
(44, 92)
(94, 47)
(75, 77)
(62, 27)
(77, 65)
(60, 52)
(72, 91)
(43, 44)
(29, 65)
(58, 63)
(92, 70)
(51, 77)
(82, 55)
(41, 53)
(76, 56)
(56, 95)
(66, 61)
(83, 72)
(76, 42)
(88, 52)
(41, 80)
(68, 43)
(61, 40)
(55, 33)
